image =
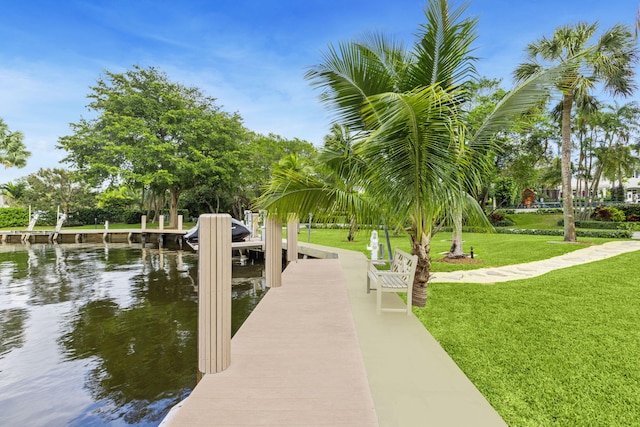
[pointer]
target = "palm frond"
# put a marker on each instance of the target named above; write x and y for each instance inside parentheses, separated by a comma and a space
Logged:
(352, 71)
(443, 52)
(523, 97)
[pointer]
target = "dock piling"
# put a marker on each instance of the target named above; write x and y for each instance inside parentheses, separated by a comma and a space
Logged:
(292, 238)
(214, 293)
(273, 253)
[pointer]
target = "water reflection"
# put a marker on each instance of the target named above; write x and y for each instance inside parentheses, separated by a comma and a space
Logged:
(102, 335)
(12, 322)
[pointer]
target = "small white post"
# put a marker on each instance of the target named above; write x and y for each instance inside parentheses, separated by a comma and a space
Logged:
(373, 245)
(143, 222)
(179, 222)
(214, 293)
(292, 238)
(273, 249)
(106, 225)
(161, 223)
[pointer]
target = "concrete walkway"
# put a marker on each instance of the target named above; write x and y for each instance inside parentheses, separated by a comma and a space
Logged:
(413, 380)
(537, 268)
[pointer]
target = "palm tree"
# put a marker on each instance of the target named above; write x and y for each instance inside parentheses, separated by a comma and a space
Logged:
(618, 163)
(405, 107)
(13, 191)
(13, 152)
(342, 165)
(609, 60)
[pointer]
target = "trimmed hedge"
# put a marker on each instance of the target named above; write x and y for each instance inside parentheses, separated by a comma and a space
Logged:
(607, 234)
(114, 215)
(550, 210)
(630, 210)
(599, 225)
(14, 217)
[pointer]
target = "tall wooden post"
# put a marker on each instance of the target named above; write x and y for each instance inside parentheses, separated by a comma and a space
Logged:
(214, 293)
(292, 238)
(273, 256)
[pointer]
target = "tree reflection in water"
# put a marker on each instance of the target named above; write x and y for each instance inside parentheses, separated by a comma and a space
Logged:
(133, 317)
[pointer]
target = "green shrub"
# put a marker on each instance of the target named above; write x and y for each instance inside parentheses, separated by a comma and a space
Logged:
(115, 215)
(632, 210)
(600, 225)
(610, 234)
(497, 219)
(14, 217)
(609, 213)
(549, 210)
(617, 215)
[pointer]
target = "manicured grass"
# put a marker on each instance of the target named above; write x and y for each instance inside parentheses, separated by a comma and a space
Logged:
(493, 249)
(534, 220)
(561, 349)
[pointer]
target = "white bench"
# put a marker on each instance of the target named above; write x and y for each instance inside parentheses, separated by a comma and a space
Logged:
(398, 279)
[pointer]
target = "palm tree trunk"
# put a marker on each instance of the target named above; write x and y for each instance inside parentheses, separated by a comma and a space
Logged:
(421, 248)
(353, 228)
(456, 238)
(567, 195)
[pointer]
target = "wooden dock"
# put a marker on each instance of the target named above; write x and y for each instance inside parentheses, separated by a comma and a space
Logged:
(165, 237)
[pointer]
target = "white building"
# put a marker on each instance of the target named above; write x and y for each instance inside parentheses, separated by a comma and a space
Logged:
(631, 186)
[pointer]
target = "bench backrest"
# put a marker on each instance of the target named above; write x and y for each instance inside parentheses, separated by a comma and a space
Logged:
(404, 263)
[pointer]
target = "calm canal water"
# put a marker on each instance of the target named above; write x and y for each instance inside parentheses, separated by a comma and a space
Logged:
(95, 335)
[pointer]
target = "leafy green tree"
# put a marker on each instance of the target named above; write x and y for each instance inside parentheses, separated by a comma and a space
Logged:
(256, 158)
(121, 197)
(152, 132)
(13, 152)
(49, 188)
(609, 60)
(259, 154)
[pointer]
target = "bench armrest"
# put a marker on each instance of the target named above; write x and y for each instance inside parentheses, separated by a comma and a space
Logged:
(379, 261)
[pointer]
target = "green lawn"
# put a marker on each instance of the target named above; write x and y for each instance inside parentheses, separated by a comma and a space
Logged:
(493, 249)
(561, 349)
(534, 220)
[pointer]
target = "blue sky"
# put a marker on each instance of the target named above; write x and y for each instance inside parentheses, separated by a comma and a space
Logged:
(250, 55)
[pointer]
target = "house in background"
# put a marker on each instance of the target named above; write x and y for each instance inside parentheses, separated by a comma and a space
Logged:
(631, 188)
